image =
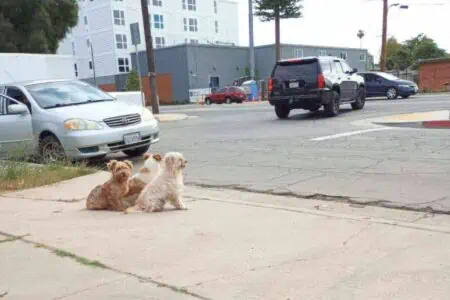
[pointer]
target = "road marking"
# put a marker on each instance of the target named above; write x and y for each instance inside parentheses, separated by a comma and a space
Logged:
(339, 135)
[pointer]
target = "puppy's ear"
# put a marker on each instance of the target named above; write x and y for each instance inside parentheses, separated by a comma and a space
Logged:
(129, 164)
(111, 165)
(147, 156)
(157, 157)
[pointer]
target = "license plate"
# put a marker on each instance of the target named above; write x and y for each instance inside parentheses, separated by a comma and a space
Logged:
(132, 138)
(293, 85)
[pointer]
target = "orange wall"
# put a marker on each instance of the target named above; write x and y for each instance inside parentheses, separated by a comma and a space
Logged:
(433, 76)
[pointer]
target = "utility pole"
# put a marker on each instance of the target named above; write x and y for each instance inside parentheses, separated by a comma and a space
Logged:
(150, 57)
(251, 39)
(384, 36)
(93, 62)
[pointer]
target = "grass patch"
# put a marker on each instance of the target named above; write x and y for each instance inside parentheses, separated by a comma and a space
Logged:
(16, 175)
(79, 259)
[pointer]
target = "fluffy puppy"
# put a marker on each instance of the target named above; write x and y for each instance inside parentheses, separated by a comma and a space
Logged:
(146, 174)
(108, 196)
(166, 187)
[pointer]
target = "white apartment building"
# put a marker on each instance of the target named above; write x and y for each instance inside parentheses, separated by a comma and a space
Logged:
(104, 26)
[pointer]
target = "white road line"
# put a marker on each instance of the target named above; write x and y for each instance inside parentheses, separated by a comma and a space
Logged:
(339, 135)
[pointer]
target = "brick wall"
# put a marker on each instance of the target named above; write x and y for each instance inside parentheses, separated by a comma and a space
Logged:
(108, 87)
(433, 76)
(164, 85)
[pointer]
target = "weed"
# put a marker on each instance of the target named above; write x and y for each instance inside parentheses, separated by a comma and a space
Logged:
(79, 259)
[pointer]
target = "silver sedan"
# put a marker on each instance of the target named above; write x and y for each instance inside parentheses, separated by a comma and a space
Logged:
(72, 119)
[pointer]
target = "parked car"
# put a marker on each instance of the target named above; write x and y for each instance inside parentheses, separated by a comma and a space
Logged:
(227, 95)
(379, 84)
(312, 82)
(72, 119)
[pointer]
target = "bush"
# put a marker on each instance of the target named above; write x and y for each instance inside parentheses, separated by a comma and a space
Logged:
(132, 81)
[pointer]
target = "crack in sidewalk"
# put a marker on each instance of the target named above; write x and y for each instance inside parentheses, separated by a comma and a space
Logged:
(324, 197)
(174, 288)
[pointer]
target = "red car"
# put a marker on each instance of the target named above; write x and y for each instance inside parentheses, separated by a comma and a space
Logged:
(227, 95)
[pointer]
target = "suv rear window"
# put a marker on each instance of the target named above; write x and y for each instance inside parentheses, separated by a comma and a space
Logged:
(296, 70)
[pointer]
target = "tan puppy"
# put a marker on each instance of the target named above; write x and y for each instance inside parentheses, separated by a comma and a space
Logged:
(167, 187)
(146, 174)
(108, 196)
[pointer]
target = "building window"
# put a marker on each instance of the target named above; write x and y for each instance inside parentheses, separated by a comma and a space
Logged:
(91, 66)
(344, 55)
(76, 69)
(119, 17)
(158, 21)
(85, 20)
(298, 52)
(124, 65)
(73, 48)
(215, 6)
(157, 2)
(121, 41)
(193, 24)
(192, 5)
(362, 56)
(322, 52)
(216, 24)
(183, 2)
(160, 42)
(194, 41)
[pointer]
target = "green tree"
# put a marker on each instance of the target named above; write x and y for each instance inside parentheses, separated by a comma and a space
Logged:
(35, 26)
(132, 81)
(275, 10)
(401, 56)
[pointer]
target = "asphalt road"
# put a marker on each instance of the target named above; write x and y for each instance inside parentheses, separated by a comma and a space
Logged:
(247, 147)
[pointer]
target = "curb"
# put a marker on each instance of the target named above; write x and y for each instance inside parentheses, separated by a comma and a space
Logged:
(165, 118)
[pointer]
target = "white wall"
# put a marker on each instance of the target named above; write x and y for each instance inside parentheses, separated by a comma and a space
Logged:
(25, 67)
(102, 31)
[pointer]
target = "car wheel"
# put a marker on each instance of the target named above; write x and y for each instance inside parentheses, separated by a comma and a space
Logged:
(52, 150)
(332, 108)
(136, 151)
(405, 97)
(228, 100)
(282, 111)
(314, 109)
(360, 99)
(208, 101)
(391, 93)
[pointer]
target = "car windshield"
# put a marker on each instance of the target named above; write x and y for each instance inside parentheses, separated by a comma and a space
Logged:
(388, 76)
(66, 93)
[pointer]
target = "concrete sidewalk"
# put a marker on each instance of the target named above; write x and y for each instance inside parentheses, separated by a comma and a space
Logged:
(228, 245)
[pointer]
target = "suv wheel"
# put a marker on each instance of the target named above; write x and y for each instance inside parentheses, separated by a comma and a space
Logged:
(282, 111)
(360, 99)
(391, 93)
(228, 100)
(208, 101)
(332, 108)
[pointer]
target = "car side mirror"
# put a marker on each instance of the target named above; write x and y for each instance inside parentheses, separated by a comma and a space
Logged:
(355, 70)
(17, 109)
(379, 80)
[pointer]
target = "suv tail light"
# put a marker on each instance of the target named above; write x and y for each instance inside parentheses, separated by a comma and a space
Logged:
(270, 85)
(321, 81)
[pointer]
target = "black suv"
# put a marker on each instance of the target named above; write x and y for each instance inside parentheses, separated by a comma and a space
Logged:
(311, 82)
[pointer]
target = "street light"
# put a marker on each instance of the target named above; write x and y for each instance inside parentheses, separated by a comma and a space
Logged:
(384, 33)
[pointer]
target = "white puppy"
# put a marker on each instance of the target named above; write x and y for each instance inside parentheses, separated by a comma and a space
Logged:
(166, 187)
(146, 174)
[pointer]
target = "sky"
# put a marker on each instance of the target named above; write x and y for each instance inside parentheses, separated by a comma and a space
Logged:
(336, 23)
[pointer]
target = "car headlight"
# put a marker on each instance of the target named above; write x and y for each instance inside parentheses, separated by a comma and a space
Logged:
(147, 116)
(80, 124)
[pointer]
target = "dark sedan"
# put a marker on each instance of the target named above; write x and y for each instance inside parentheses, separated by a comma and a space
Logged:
(379, 84)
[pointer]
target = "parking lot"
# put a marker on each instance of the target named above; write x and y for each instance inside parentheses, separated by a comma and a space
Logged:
(345, 158)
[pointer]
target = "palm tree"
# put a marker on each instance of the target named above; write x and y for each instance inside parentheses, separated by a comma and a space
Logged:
(360, 35)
